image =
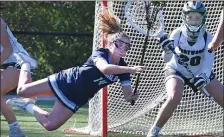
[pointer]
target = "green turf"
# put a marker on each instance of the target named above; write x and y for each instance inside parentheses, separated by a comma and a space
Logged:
(33, 129)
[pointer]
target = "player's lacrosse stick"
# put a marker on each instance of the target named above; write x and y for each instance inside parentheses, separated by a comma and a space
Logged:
(142, 14)
(147, 19)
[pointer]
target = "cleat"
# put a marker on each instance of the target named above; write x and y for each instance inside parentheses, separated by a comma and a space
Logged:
(153, 133)
(21, 103)
(16, 131)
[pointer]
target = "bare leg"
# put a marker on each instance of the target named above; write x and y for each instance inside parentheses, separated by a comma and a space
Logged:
(36, 88)
(25, 77)
(50, 121)
(216, 89)
(9, 81)
(26, 63)
(59, 114)
(7, 111)
(174, 89)
(25, 87)
(55, 119)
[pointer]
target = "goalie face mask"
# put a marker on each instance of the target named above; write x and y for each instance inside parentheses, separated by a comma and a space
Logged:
(194, 16)
(193, 21)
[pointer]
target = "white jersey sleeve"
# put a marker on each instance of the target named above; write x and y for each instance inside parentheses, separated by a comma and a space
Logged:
(175, 36)
(196, 56)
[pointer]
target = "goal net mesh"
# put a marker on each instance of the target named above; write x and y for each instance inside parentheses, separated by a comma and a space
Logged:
(194, 115)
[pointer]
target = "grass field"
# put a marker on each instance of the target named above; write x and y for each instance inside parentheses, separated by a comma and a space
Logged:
(33, 129)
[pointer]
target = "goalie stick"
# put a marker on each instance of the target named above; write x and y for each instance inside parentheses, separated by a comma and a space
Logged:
(146, 17)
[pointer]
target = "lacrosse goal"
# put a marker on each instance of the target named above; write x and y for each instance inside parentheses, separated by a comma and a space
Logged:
(196, 115)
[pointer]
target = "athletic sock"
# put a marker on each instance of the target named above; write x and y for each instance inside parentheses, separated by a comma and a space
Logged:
(31, 108)
(13, 124)
(25, 67)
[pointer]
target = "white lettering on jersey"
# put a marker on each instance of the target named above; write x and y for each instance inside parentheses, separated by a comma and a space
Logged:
(69, 79)
(194, 61)
(112, 77)
(100, 81)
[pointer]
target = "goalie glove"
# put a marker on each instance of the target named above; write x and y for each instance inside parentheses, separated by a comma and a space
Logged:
(165, 43)
(200, 81)
(131, 96)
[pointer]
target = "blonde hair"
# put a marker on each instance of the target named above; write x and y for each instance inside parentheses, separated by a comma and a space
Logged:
(110, 24)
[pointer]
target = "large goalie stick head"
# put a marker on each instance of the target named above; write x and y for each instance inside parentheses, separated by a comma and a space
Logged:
(146, 17)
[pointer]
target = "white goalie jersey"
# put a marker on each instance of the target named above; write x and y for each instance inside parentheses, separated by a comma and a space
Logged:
(197, 57)
(16, 47)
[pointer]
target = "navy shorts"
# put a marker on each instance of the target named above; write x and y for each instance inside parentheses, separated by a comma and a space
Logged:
(68, 89)
(170, 73)
(11, 64)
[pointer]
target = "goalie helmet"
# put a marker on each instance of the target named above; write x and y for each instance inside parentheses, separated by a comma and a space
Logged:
(193, 30)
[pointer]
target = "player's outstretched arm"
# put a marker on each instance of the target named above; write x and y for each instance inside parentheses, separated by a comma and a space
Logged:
(111, 69)
(219, 37)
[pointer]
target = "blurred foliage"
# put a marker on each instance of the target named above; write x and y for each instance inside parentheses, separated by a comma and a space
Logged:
(54, 53)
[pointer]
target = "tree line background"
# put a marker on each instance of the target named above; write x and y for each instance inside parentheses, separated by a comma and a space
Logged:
(53, 53)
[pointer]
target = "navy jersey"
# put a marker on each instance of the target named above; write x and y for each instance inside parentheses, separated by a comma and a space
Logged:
(95, 79)
(75, 86)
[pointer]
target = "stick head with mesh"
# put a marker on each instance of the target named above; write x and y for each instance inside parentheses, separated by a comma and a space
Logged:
(142, 14)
